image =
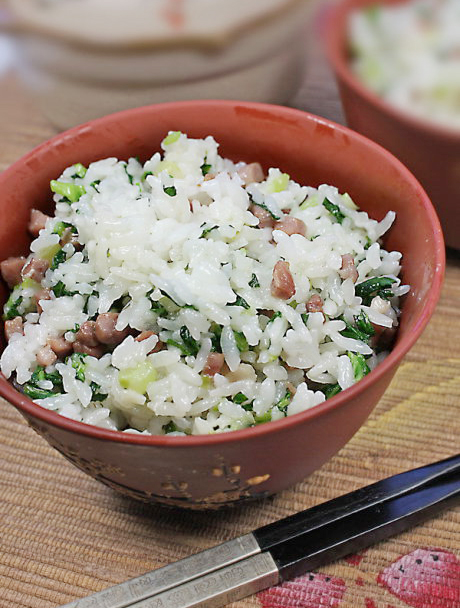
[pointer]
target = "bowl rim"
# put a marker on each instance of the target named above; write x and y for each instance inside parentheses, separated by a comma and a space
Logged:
(30, 409)
(335, 43)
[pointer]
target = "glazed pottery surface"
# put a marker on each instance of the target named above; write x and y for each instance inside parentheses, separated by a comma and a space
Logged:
(431, 152)
(214, 470)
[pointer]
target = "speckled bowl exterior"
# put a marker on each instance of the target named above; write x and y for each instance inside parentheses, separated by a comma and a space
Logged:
(431, 152)
(205, 472)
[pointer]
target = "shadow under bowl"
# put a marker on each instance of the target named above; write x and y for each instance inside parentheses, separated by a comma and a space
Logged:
(204, 472)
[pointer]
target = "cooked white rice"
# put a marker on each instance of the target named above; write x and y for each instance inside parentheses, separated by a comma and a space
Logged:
(171, 251)
(409, 53)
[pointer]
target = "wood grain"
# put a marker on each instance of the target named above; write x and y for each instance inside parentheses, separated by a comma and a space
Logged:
(63, 535)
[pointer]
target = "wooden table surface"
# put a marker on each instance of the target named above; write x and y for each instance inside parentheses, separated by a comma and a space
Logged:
(64, 535)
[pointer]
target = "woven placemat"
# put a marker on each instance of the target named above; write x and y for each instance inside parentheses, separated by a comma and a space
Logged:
(64, 535)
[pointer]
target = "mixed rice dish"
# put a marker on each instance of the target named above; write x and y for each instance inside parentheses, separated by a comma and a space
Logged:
(192, 295)
(409, 54)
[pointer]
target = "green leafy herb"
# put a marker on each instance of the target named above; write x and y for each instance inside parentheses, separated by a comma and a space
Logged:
(170, 190)
(96, 392)
(376, 286)
(368, 243)
(284, 401)
(239, 398)
(276, 315)
(80, 171)
(130, 177)
(254, 282)
(60, 290)
(158, 308)
(216, 332)
(146, 174)
(70, 192)
(363, 323)
(95, 184)
(58, 258)
(331, 389)
(60, 228)
(360, 367)
(170, 428)
(264, 206)
(79, 365)
(205, 168)
(240, 302)
(34, 392)
(304, 316)
(188, 346)
(241, 342)
(334, 210)
(75, 329)
(207, 231)
(10, 310)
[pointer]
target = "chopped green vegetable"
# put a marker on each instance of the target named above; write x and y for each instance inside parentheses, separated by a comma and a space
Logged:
(138, 378)
(97, 395)
(349, 202)
(171, 138)
(376, 286)
(240, 302)
(304, 316)
(239, 398)
(360, 367)
(264, 206)
(146, 174)
(309, 201)
(80, 171)
(254, 282)
(48, 253)
(60, 290)
(95, 184)
(188, 346)
(284, 401)
(216, 331)
(278, 183)
(78, 363)
(241, 341)
(263, 418)
(130, 177)
(207, 230)
(70, 192)
(58, 258)
(205, 168)
(330, 390)
(276, 315)
(10, 310)
(34, 392)
(356, 333)
(334, 210)
(170, 190)
(60, 228)
(170, 167)
(363, 323)
(170, 428)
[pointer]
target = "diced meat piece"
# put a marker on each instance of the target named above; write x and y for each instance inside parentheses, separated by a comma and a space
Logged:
(35, 269)
(13, 326)
(69, 237)
(46, 356)
(264, 217)
(283, 285)
(105, 329)
(291, 225)
(93, 351)
(348, 269)
(148, 334)
(11, 270)
(43, 294)
(37, 221)
(315, 303)
(213, 364)
(60, 346)
(251, 173)
(86, 335)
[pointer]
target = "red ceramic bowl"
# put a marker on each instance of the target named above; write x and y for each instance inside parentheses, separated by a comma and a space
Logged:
(431, 152)
(214, 470)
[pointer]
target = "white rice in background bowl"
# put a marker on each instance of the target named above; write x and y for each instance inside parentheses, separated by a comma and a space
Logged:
(192, 295)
